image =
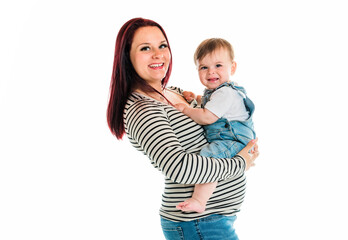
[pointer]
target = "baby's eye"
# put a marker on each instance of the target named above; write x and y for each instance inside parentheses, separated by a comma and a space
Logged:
(203, 68)
(218, 65)
(145, 48)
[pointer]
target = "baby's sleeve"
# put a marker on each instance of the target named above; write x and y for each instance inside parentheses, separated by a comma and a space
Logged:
(221, 101)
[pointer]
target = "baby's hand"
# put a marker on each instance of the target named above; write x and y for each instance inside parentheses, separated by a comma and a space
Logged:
(180, 106)
(189, 96)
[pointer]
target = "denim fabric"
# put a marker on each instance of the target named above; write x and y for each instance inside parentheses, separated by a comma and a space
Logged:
(213, 227)
(227, 138)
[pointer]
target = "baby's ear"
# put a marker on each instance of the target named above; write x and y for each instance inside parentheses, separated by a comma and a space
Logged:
(233, 68)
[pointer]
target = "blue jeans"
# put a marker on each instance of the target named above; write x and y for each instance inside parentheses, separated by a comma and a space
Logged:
(213, 227)
(226, 139)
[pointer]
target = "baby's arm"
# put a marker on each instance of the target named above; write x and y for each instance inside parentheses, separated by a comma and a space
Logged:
(189, 96)
(199, 115)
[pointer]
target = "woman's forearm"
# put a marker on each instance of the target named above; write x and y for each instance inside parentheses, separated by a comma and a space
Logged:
(152, 132)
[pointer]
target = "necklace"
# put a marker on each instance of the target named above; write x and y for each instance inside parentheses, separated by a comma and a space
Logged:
(161, 96)
(157, 96)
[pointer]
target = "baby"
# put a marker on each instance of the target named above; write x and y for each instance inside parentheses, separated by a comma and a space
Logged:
(226, 112)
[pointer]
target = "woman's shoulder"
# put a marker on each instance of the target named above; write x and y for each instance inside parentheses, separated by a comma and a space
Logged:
(143, 113)
(193, 103)
(175, 89)
(139, 103)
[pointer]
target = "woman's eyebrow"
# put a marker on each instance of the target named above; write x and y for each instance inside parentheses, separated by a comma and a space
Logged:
(146, 43)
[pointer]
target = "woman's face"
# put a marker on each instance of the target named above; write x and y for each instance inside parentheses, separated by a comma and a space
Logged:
(150, 54)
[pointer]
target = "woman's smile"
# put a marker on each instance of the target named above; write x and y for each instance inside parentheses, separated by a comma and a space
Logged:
(156, 66)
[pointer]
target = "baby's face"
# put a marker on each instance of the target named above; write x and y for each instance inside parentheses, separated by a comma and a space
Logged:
(216, 68)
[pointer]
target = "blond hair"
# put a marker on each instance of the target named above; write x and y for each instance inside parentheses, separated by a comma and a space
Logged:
(210, 45)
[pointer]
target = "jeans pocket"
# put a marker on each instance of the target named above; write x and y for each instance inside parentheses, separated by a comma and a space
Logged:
(212, 218)
(173, 233)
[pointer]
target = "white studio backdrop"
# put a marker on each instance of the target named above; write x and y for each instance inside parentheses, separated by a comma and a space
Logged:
(64, 176)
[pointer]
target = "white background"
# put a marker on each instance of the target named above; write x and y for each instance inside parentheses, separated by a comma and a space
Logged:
(64, 176)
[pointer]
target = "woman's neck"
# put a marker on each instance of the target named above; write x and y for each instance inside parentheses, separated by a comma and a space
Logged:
(149, 87)
(157, 92)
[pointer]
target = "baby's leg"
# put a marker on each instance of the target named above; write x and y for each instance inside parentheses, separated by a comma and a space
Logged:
(199, 199)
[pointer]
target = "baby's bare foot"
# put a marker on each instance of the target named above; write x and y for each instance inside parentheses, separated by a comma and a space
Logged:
(191, 205)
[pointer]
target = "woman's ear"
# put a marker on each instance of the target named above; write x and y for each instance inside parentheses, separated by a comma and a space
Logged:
(233, 67)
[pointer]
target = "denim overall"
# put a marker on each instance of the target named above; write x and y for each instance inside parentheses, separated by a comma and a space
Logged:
(227, 138)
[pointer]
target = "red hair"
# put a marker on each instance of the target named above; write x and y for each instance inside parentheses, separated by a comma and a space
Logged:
(124, 78)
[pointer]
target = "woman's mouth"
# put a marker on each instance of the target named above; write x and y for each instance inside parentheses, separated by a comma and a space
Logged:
(156, 66)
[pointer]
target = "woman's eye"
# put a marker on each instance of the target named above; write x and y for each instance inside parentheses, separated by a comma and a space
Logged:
(145, 49)
(163, 46)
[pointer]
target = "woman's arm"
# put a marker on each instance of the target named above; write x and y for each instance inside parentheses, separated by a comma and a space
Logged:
(150, 130)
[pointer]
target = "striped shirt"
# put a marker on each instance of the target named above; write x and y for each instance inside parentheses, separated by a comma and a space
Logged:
(172, 142)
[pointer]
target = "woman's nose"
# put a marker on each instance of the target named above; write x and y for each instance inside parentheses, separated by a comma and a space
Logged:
(157, 54)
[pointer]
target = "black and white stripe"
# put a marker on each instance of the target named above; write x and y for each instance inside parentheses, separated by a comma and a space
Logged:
(172, 142)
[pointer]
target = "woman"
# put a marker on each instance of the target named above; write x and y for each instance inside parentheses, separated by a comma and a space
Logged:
(142, 107)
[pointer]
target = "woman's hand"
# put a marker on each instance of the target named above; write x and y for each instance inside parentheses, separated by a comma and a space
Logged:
(250, 153)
